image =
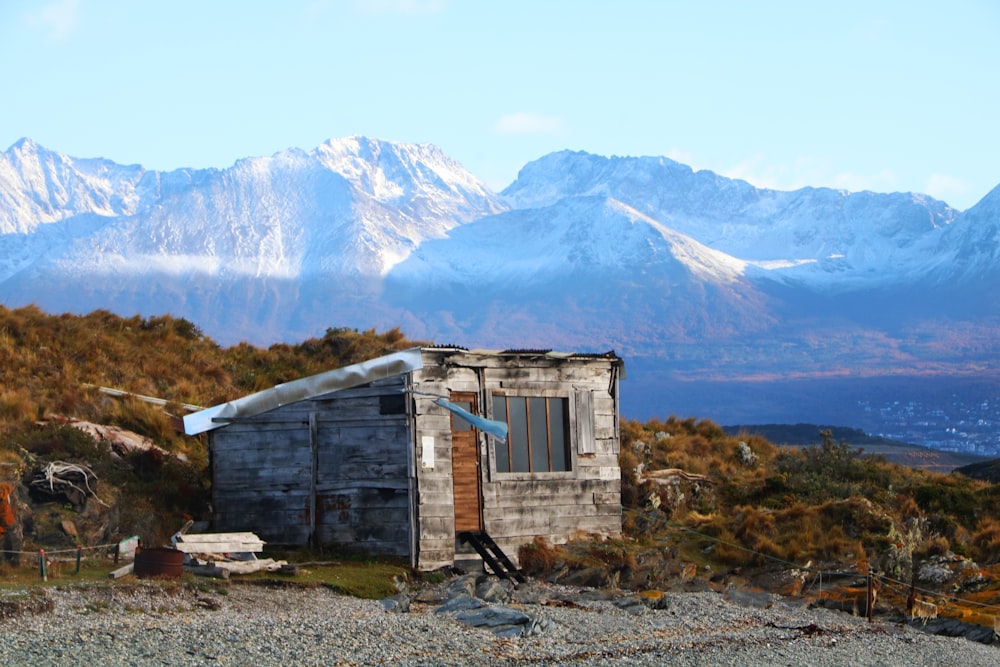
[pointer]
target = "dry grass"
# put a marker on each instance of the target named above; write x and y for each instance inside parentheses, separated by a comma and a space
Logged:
(538, 557)
(827, 504)
(51, 364)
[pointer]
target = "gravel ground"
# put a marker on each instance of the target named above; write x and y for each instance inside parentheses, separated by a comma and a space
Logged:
(154, 624)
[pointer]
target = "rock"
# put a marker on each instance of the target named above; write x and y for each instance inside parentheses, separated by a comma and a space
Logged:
(493, 616)
(950, 627)
(494, 590)
(532, 593)
(591, 577)
(504, 621)
(746, 455)
(431, 596)
(630, 604)
(460, 602)
(748, 598)
(69, 528)
(653, 599)
(464, 584)
(397, 604)
(935, 572)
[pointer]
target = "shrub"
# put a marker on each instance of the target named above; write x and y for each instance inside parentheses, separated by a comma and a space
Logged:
(64, 443)
(538, 557)
(986, 541)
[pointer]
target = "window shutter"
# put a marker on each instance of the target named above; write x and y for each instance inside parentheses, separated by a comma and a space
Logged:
(583, 402)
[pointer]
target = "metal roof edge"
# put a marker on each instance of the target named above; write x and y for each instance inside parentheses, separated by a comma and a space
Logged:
(345, 377)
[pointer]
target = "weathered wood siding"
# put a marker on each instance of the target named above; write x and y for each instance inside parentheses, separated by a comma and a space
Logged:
(517, 507)
(342, 457)
(371, 467)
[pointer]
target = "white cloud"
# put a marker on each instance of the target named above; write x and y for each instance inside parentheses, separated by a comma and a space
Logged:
(943, 187)
(808, 172)
(405, 7)
(526, 122)
(682, 156)
(883, 180)
(58, 18)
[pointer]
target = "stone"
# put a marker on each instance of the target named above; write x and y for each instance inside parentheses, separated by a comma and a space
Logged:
(494, 590)
(590, 577)
(504, 621)
(69, 528)
(746, 455)
(397, 604)
(532, 593)
(460, 602)
(935, 573)
(653, 599)
(759, 600)
(493, 616)
(630, 604)
(465, 583)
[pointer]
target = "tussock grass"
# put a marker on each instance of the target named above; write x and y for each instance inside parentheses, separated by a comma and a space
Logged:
(828, 504)
(53, 364)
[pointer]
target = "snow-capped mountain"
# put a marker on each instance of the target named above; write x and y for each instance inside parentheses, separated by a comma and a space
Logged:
(354, 206)
(826, 238)
(643, 255)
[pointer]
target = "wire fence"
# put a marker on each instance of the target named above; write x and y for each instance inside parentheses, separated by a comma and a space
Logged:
(872, 579)
(46, 557)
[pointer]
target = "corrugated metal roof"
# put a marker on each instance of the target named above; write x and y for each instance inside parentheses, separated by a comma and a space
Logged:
(305, 388)
(345, 378)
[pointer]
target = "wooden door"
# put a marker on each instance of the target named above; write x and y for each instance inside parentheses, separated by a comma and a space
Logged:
(465, 467)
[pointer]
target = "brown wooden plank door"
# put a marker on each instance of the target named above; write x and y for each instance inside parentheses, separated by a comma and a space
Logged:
(465, 466)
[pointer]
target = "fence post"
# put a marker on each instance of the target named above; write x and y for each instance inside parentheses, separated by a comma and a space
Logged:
(871, 595)
(79, 551)
(41, 565)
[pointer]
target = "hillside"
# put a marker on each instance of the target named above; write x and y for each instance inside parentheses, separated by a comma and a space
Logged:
(692, 276)
(643, 255)
(702, 507)
(988, 471)
(143, 476)
(705, 510)
(894, 451)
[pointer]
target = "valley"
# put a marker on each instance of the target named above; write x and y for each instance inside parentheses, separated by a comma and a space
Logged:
(741, 304)
(952, 413)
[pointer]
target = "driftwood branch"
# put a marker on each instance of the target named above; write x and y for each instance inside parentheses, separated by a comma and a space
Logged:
(668, 473)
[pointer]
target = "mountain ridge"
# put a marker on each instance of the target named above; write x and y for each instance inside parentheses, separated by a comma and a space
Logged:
(678, 269)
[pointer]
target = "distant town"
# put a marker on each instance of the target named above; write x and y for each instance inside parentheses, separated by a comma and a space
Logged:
(959, 425)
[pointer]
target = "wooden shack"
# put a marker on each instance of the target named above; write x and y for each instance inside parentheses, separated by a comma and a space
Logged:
(401, 454)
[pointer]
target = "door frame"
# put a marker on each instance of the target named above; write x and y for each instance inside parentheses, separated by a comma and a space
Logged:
(468, 438)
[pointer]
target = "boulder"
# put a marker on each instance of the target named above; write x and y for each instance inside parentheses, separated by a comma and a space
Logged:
(494, 590)
(505, 621)
(397, 604)
(460, 602)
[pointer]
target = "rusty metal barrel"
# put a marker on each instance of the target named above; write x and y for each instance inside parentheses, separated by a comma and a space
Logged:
(159, 562)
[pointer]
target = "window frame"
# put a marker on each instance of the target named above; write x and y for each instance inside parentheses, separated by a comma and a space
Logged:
(569, 435)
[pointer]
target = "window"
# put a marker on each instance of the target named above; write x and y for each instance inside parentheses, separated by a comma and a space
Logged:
(537, 436)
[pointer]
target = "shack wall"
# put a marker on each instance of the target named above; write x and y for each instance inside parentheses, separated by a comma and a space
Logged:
(517, 507)
(332, 470)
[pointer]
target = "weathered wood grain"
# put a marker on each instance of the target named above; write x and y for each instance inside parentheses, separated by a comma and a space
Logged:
(349, 480)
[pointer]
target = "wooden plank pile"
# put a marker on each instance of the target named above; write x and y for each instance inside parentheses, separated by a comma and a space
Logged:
(222, 554)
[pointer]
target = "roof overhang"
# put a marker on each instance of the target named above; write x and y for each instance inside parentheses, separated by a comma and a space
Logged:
(304, 388)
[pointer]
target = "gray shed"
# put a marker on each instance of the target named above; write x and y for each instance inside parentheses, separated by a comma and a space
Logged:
(414, 453)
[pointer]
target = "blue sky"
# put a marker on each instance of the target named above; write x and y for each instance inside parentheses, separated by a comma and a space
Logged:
(884, 96)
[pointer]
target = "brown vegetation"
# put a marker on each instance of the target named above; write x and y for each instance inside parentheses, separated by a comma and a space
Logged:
(53, 367)
(828, 503)
(729, 505)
